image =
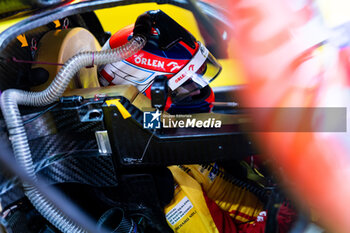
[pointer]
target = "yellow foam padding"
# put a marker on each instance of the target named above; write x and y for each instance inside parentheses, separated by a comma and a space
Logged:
(113, 19)
(188, 211)
(128, 91)
(226, 195)
(143, 103)
(120, 107)
(58, 46)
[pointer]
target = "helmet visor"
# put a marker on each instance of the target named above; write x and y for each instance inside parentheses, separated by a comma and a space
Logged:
(198, 73)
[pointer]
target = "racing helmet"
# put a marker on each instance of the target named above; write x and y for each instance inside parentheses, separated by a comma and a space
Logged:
(189, 70)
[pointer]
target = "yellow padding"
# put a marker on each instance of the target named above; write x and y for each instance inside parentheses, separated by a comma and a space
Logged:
(229, 197)
(188, 211)
(120, 107)
(58, 46)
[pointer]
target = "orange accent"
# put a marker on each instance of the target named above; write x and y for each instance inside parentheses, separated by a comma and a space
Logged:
(121, 108)
(22, 38)
(57, 23)
(121, 37)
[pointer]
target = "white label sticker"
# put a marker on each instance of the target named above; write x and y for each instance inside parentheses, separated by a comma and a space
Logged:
(179, 211)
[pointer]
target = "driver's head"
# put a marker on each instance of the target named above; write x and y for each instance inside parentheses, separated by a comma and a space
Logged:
(189, 71)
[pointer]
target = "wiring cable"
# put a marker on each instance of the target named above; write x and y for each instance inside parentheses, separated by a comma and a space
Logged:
(40, 114)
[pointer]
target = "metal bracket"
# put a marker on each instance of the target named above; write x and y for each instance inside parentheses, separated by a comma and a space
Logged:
(104, 146)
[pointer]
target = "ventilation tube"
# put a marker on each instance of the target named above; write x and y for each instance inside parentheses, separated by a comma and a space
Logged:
(11, 98)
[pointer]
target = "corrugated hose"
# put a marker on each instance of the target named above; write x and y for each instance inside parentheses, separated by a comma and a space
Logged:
(11, 98)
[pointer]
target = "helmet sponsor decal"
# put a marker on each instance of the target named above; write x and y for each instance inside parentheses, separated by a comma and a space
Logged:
(149, 62)
(190, 69)
(174, 66)
(153, 62)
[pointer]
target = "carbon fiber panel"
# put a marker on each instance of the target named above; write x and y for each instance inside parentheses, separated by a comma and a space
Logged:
(41, 127)
(81, 167)
(71, 121)
(94, 170)
(64, 149)
(60, 144)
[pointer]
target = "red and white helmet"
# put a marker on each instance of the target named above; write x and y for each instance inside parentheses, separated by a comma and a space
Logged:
(189, 71)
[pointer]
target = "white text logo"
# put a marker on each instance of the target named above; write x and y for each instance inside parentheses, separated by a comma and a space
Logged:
(170, 122)
(175, 66)
(149, 62)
